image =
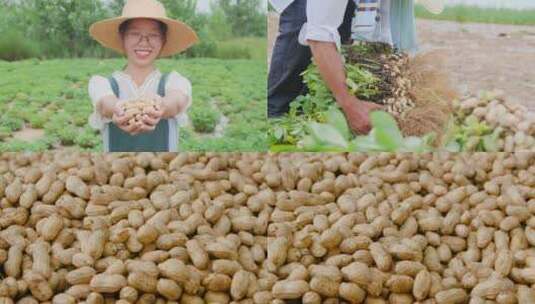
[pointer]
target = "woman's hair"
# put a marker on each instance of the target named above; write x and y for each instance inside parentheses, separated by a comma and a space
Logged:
(161, 26)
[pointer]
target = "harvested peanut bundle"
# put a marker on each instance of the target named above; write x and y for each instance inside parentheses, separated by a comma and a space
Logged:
(135, 110)
(413, 89)
(402, 228)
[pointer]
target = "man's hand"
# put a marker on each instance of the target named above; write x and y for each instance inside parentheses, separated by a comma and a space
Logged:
(331, 67)
(358, 114)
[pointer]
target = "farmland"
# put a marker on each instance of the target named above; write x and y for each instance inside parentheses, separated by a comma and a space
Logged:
(470, 13)
(49, 100)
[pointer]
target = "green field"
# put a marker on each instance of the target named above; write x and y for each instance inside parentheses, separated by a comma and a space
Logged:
(52, 95)
(465, 13)
(242, 47)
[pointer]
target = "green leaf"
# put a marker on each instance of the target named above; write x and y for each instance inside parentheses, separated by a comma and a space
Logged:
(429, 138)
(308, 142)
(416, 144)
(453, 146)
(278, 133)
(451, 130)
(353, 87)
(472, 143)
(284, 148)
(325, 134)
(413, 144)
(386, 131)
(365, 144)
(336, 118)
(490, 142)
(475, 127)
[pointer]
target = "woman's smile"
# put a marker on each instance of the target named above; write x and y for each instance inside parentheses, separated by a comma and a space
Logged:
(143, 53)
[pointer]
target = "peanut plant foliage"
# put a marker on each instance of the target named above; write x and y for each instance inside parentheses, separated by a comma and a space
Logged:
(51, 95)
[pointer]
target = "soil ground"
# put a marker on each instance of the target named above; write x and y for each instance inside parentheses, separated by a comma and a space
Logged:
(29, 134)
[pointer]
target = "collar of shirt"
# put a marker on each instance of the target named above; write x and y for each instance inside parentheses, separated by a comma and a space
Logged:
(138, 90)
(281, 5)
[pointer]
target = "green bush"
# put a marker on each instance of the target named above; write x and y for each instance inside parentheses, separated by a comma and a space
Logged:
(245, 17)
(242, 48)
(37, 120)
(219, 28)
(471, 13)
(15, 46)
(80, 119)
(67, 135)
(87, 138)
(17, 145)
(230, 51)
(11, 123)
(5, 132)
(58, 125)
(206, 47)
(204, 120)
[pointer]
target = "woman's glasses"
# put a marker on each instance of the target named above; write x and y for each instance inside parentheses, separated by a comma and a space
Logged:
(152, 39)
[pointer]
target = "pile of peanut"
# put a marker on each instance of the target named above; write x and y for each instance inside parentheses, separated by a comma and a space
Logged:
(516, 121)
(403, 228)
(135, 110)
(145, 228)
(267, 228)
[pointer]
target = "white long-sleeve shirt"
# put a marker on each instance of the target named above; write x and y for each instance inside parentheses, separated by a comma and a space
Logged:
(100, 87)
(324, 17)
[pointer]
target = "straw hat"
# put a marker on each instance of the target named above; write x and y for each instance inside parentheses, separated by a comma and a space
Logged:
(434, 6)
(179, 35)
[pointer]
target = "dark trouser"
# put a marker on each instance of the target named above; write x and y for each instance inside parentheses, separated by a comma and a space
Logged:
(290, 58)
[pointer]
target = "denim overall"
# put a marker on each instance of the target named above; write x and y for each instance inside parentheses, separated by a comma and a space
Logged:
(154, 141)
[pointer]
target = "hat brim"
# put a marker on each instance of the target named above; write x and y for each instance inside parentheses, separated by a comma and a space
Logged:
(179, 37)
(433, 6)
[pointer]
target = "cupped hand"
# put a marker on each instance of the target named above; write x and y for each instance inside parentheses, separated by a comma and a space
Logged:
(152, 116)
(122, 121)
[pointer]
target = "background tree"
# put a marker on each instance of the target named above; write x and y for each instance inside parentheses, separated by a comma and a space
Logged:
(63, 23)
(245, 17)
(59, 28)
(184, 10)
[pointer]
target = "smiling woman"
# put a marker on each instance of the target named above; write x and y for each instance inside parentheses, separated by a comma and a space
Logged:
(138, 109)
(135, 32)
(132, 33)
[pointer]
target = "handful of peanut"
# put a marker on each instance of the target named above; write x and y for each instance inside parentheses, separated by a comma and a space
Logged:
(135, 110)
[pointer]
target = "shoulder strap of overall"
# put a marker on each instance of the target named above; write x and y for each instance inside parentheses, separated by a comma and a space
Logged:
(114, 86)
(161, 85)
